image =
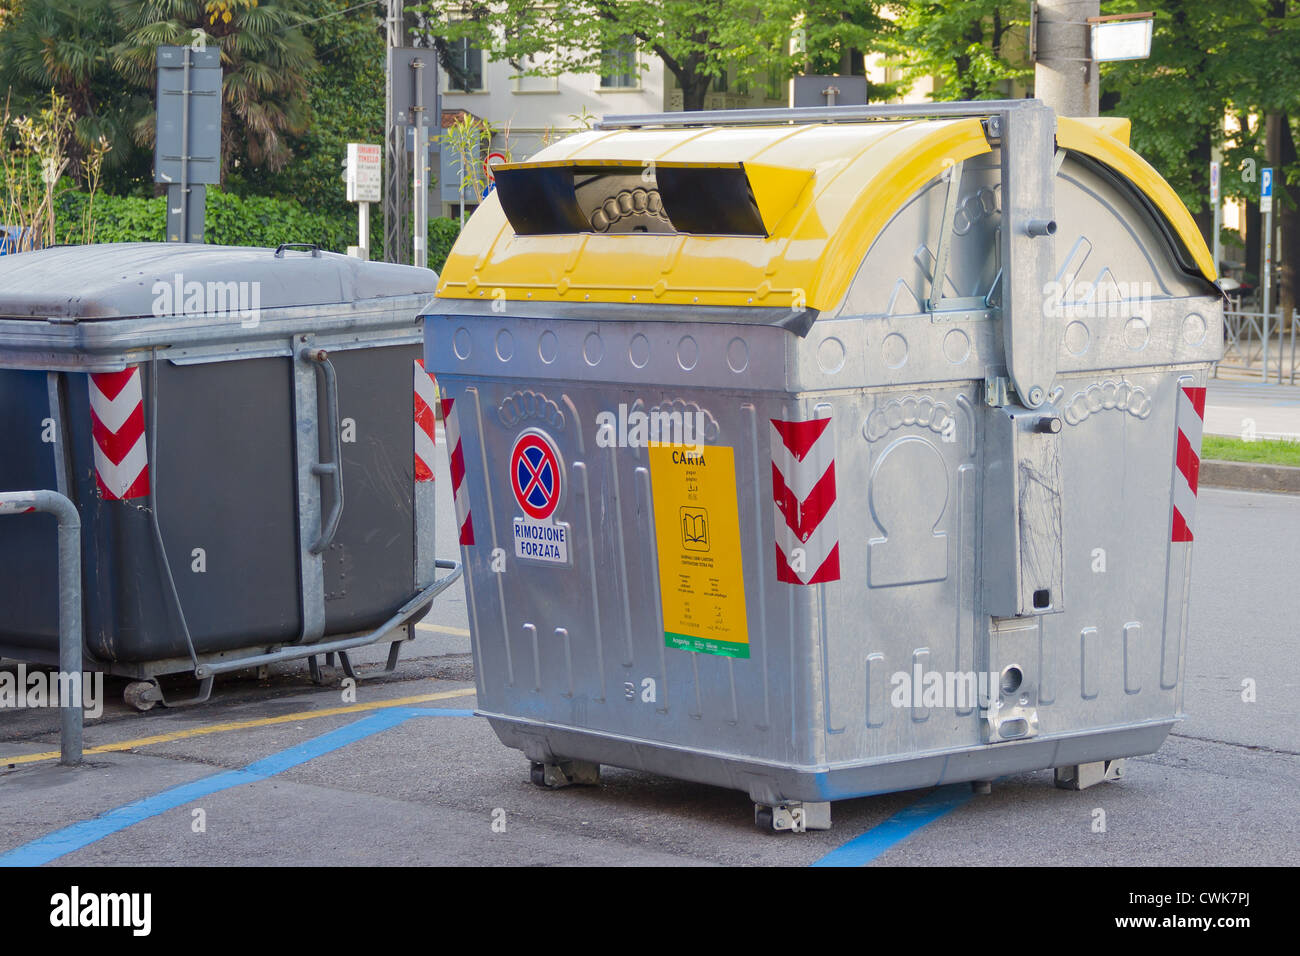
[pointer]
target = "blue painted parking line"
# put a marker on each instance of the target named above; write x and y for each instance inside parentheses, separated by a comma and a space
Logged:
(80, 835)
(863, 849)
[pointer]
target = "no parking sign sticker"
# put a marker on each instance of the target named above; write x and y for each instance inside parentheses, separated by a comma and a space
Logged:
(536, 480)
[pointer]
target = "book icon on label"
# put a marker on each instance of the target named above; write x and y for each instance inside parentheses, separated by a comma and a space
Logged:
(695, 529)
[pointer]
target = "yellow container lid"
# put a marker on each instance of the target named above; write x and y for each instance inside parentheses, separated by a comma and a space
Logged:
(819, 195)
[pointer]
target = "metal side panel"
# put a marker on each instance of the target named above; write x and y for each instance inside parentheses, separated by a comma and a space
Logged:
(367, 566)
(225, 490)
(582, 640)
(29, 604)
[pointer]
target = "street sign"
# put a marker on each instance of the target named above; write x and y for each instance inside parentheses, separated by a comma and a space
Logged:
(493, 159)
(1214, 182)
(364, 172)
(402, 78)
(1123, 36)
(187, 135)
(1266, 189)
(830, 91)
(189, 116)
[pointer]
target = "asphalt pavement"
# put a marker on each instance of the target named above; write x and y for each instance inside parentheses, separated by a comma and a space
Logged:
(1252, 410)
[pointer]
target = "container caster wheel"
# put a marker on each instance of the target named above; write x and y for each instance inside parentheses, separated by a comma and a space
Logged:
(793, 817)
(141, 694)
(566, 773)
(1084, 775)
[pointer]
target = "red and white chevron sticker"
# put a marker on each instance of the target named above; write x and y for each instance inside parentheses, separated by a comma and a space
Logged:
(117, 422)
(803, 489)
(425, 442)
(1187, 460)
(459, 491)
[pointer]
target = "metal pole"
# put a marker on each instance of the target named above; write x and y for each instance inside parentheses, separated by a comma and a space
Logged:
(421, 163)
(1266, 272)
(1218, 214)
(1292, 347)
(395, 206)
(815, 114)
(70, 635)
(185, 152)
(363, 229)
(1065, 76)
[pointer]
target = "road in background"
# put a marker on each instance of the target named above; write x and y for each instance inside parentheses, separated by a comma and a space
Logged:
(1235, 408)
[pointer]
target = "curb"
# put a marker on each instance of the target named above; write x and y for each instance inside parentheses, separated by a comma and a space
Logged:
(1249, 476)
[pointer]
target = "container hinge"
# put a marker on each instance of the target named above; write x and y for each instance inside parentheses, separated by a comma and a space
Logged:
(996, 391)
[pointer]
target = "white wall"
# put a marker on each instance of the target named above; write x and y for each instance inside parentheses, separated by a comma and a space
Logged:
(532, 105)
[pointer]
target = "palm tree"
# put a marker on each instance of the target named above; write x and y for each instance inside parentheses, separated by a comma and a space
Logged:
(267, 60)
(65, 46)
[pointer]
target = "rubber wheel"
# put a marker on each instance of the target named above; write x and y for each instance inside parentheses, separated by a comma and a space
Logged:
(134, 695)
(537, 774)
(763, 818)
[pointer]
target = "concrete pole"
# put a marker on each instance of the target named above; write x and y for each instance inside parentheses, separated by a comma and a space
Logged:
(1065, 78)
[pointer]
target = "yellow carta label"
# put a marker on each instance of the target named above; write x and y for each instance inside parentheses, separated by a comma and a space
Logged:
(697, 531)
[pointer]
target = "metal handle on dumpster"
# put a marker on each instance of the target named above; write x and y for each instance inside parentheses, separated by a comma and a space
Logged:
(403, 614)
(307, 246)
(70, 632)
(332, 469)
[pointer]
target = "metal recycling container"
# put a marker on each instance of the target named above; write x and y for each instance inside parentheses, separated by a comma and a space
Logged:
(822, 453)
(248, 435)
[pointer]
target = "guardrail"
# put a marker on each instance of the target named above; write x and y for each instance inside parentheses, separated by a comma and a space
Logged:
(1253, 341)
(70, 634)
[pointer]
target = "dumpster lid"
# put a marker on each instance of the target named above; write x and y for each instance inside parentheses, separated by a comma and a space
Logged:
(1105, 139)
(120, 280)
(831, 188)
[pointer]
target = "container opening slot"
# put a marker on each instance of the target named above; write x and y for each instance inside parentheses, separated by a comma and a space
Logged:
(614, 199)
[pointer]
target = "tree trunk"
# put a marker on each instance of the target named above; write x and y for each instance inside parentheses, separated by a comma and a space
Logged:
(1273, 123)
(1253, 223)
(694, 89)
(1286, 205)
(1203, 212)
(973, 36)
(1254, 243)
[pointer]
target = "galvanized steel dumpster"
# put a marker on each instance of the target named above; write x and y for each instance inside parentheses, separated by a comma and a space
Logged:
(822, 453)
(248, 435)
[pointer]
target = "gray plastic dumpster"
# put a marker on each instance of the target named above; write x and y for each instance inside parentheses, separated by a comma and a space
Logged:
(247, 434)
(822, 453)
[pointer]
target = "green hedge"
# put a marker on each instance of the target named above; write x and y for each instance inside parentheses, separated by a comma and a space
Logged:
(234, 221)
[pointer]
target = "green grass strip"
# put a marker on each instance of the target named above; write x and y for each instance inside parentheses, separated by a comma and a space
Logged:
(1263, 451)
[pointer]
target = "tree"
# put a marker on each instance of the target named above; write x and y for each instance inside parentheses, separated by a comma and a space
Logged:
(972, 48)
(1178, 97)
(66, 46)
(346, 101)
(1277, 74)
(699, 41)
(268, 64)
(1208, 61)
